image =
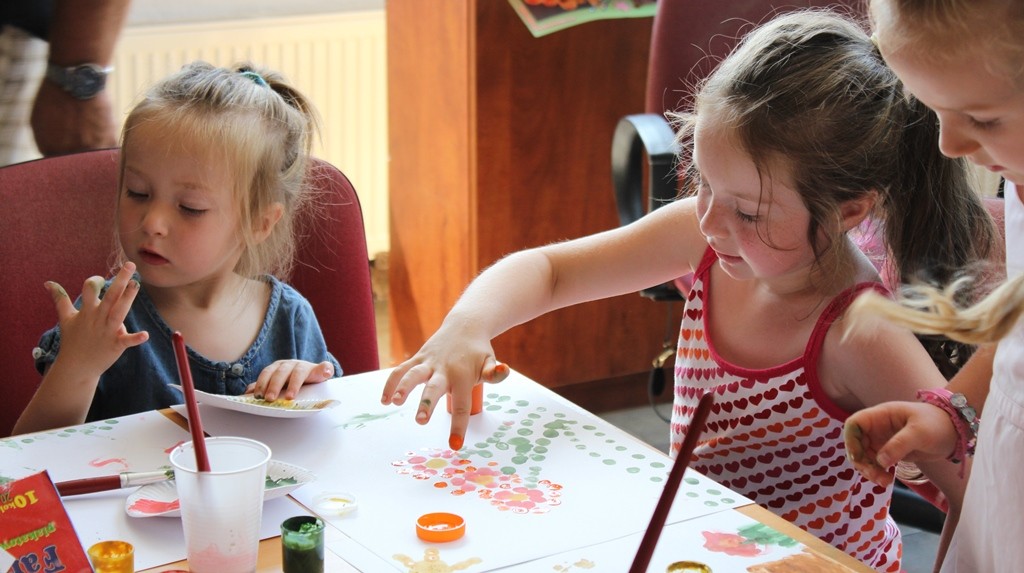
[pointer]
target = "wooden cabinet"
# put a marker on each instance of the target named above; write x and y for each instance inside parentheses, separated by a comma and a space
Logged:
(501, 141)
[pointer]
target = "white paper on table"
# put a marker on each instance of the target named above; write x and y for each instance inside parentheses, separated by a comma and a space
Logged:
(591, 482)
(139, 442)
(724, 541)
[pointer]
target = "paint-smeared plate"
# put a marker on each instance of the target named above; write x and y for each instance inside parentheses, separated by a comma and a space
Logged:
(161, 499)
(251, 405)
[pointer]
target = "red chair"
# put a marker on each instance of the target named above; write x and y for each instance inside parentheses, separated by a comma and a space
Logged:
(59, 226)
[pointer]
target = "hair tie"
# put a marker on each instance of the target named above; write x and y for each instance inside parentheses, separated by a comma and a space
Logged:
(255, 77)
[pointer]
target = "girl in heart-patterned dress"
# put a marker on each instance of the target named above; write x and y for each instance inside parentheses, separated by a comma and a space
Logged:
(775, 435)
(797, 138)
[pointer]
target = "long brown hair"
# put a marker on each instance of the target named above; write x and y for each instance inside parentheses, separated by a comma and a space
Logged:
(811, 89)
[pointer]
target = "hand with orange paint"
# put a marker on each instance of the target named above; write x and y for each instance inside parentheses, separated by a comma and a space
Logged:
(444, 372)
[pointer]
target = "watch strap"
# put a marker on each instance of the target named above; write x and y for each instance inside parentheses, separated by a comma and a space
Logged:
(82, 81)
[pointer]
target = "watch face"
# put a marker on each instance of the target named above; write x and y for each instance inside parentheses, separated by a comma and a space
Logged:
(86, 81)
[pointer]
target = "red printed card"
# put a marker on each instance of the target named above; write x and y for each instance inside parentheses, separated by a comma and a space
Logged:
(36, 530)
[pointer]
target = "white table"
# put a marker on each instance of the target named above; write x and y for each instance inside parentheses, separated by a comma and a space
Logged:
(543, 485)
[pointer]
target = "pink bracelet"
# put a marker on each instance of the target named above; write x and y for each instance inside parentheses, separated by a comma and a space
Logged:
(964, 417)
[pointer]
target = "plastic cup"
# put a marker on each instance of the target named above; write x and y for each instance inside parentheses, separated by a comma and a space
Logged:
(302, 544)
(112, 557)
(221, 509)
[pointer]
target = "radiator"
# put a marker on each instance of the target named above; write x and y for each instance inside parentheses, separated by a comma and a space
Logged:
(337, 60)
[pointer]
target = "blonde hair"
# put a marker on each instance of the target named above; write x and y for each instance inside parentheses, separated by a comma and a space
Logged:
(936, 311)
(939, 29)
(262, 127)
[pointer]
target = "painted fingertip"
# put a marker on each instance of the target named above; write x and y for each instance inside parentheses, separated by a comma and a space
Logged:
(455, 442)
(501, 371)
(421, 417)
(54, 288)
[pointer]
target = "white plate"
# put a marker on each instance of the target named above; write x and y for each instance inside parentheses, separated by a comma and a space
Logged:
(161, 498)
(276, 409)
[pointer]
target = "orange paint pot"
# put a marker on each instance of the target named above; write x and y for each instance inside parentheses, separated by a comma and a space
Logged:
(440, 527)
(478, 400)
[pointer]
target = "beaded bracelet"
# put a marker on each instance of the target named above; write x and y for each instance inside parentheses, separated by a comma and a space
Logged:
(964, 417)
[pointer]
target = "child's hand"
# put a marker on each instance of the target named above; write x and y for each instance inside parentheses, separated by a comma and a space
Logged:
(288, 375)
(94, 337)
(878, 437)
(440, 370)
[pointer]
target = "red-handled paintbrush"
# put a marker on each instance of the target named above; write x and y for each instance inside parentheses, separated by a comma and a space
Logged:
(650, 540)
(195, 426)
(116, 481)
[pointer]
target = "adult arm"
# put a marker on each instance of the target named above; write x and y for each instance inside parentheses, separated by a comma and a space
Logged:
(80, 32)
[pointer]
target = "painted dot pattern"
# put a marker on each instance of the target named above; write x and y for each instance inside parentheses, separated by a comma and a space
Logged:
(512, 458)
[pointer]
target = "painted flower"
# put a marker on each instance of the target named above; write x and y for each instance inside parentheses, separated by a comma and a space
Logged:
(730, 544)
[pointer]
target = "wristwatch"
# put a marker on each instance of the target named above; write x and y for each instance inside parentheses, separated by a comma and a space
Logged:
(83, 81)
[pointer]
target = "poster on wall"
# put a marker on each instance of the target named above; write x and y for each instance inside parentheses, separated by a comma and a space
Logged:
(543, 17)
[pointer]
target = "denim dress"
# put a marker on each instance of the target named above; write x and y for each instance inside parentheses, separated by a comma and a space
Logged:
(140, 379)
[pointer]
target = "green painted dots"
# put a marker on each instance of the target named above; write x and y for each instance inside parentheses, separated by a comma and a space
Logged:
(527, 440)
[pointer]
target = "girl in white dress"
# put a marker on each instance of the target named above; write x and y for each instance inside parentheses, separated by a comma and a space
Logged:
(965, 60)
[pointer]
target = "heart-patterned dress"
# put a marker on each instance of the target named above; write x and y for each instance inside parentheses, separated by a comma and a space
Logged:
(776, 437)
